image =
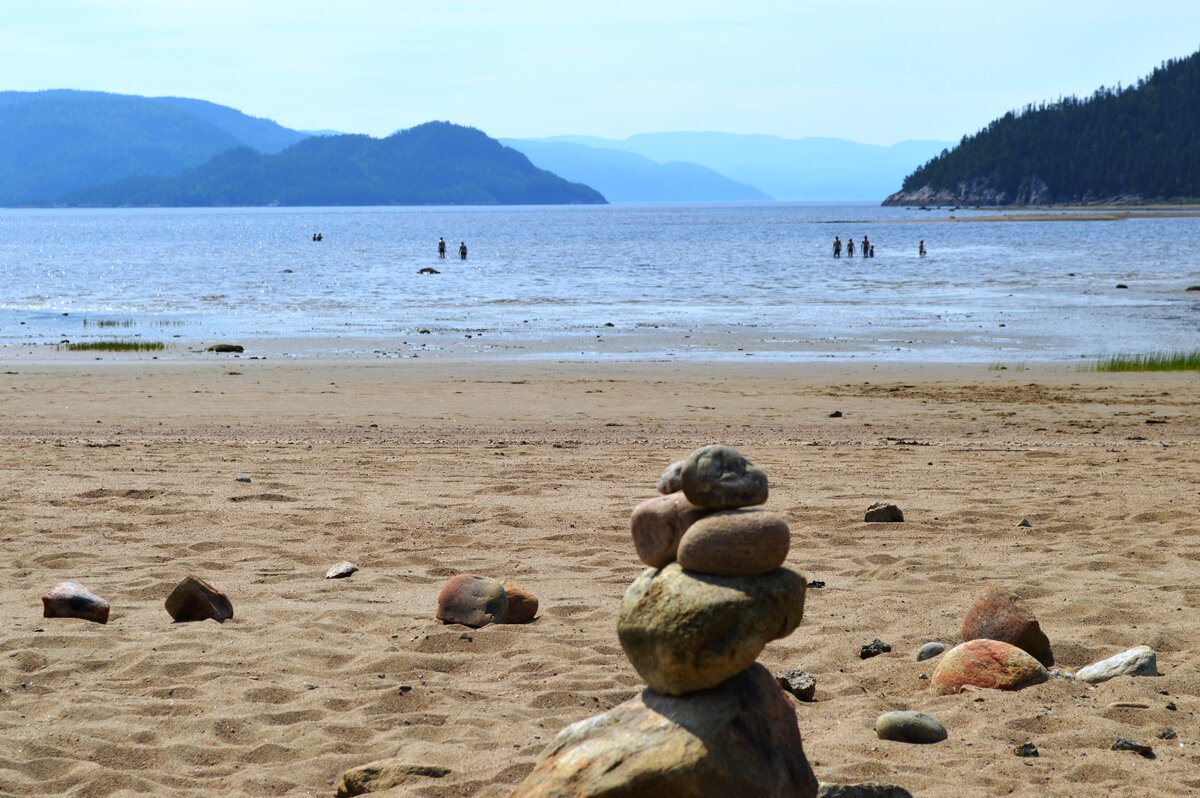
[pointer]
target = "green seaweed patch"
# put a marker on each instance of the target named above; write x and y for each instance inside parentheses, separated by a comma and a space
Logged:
(113, 346)
(1167, 360)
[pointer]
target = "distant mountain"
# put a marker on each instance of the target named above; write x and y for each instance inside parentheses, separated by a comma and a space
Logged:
(432, 164)
(789, 169)
(627, 177)
(1135, 144)
(55, 142)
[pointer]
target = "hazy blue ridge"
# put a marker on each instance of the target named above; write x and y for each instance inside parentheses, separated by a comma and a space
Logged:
(436, 163)
(627, 177)
(1134, 144)
(787, 169)
(55, 142)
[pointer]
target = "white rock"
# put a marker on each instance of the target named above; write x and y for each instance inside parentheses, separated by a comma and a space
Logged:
(1140, 661)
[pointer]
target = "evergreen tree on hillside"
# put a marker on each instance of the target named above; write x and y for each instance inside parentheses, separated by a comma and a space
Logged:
(1141, 141)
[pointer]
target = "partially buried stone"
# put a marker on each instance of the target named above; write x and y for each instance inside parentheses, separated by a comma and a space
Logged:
(341, 570)
(385, 774)
(865, 789)
(884, 512)
(930, 650)
(735, 543)
(873, 649)
(739, 740)
(522, 605)
(798, 683)
(909, 727)
(193, 599)
(685, 631)
(671, 481)
(1025, 523)
(986, 663)
(472, 601)
(73, 600)
(658, 524)
(1125, 744)
(718, 477)
(227, 348)
(1027, 750)
(1167, 734)
(1000, 614)
(1138, 661)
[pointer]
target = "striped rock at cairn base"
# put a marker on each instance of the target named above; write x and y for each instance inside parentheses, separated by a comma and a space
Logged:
(685, 631)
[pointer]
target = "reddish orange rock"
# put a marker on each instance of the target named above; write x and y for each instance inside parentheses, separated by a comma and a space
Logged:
(658, 524)
(522, 605)
(986, 663)
(1000, 614)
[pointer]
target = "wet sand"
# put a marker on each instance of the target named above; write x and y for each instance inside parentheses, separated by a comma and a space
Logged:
(120, 475)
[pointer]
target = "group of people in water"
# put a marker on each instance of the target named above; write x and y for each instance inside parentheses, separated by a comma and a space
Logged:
(867, 248)
(462, 249)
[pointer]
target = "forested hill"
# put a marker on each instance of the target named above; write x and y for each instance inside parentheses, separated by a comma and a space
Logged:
(432, 164)
(58, 141)
(1136, 144)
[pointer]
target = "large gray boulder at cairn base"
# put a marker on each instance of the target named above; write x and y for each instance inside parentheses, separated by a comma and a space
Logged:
(719, 478)
(739, 740)
(685, 631)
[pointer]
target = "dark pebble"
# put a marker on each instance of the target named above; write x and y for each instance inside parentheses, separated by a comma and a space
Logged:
(1167, 734)
(816, 584)
(798, 683)
(1028, 749)
(873, 649)
(836, 414)
(1125, 744)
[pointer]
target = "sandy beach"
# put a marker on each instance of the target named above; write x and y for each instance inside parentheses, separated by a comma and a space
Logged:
(120, 475)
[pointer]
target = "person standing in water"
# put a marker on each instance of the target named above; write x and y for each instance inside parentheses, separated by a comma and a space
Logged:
(462, 250)
(921, 249)
(866, 248)
(850, 247)
(441, 248)
(837, 247)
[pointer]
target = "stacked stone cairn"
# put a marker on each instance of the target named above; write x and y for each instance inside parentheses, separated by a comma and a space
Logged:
(713, 722)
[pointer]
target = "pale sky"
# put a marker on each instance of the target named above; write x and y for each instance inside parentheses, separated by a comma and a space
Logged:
(876, 71)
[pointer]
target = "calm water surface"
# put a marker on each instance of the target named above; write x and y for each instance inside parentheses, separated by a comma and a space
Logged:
(760, 275)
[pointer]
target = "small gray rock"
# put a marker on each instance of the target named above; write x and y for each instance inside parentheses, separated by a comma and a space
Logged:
(884, 512)
(930, 650)
(1025, 523)
(1026, 750)
(719, 478)
(836, 414)
(341, 570)
(1125, 744)
(1167, 734)
(798, 683)
(866, 789)
(1139, 661)
(909, 727)
(241, 479)
(670, 481)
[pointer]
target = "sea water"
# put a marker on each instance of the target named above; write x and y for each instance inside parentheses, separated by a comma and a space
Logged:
(645, 281)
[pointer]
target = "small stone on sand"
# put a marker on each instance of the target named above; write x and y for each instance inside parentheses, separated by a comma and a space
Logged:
(884, 512)
(341, 570)
(73, 600)
(193, 599)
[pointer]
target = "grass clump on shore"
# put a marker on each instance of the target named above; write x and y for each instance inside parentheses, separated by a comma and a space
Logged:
(1155, 361)
(115, 346)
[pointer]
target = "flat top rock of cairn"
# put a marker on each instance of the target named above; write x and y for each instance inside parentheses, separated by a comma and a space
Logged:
(193, 599)
(719, 478)
(73, 600)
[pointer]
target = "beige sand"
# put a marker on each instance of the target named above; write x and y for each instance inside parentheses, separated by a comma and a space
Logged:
(121, 476)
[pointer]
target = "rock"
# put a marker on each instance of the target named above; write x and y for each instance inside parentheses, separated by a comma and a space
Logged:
(718, 478)
(909, 727)
(1026, 750)
(873, 649)
(685, 631)
(227, 348)
(472, 601)
(1000, 614)
(1125, 744)
(865, 789)
(428, 270)
(385, 774)
(671, 481)
(930, 650)
(739, 740)
(522, 605)
(1024, 522)
(658, 524)
(836, 414)
(193, 599)
(1167, 734)
(884, 512)
(986, 663)
(735, 543)
(73, 600)
(341, 570)
(816, 584)
(1138, 661)
(242, 479)
(798, 683)
(1122, 285)
(1192, 288)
